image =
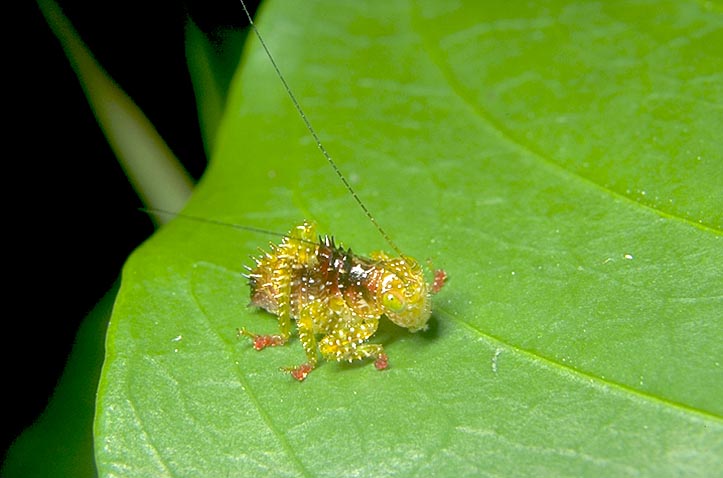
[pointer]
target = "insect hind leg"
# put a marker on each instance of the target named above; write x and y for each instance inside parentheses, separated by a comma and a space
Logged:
(280, 282)
(271, 281)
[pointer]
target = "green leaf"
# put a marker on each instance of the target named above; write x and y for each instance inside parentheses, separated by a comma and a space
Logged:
(560, 161)
(60, 442)
(212, 61)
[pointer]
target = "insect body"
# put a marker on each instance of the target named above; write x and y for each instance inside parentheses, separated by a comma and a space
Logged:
(333, 293)
(330, 292)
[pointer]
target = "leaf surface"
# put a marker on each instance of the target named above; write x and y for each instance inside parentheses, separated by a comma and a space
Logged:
(560, 161)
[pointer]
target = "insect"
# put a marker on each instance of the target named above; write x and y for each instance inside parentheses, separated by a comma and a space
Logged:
(330, 292)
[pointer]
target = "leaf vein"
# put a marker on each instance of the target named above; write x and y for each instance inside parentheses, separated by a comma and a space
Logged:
(246, 387)
(585, 377)
(528, 148)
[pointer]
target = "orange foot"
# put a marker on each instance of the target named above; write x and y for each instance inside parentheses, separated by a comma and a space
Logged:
(381, 362)
(300, 372)
(440, 278)
(262, 341)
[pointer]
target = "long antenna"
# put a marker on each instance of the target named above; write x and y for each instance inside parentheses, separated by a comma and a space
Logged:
(315, 136)
(163, 212)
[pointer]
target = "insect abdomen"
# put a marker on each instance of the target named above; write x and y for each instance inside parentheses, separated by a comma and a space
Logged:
(296, 273)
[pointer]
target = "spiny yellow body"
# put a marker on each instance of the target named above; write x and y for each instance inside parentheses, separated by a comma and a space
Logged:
(336, 298)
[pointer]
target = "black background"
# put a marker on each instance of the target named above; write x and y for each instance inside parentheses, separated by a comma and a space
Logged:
(72, 217)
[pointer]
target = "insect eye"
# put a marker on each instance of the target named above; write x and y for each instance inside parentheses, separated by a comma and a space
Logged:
(393, 302)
